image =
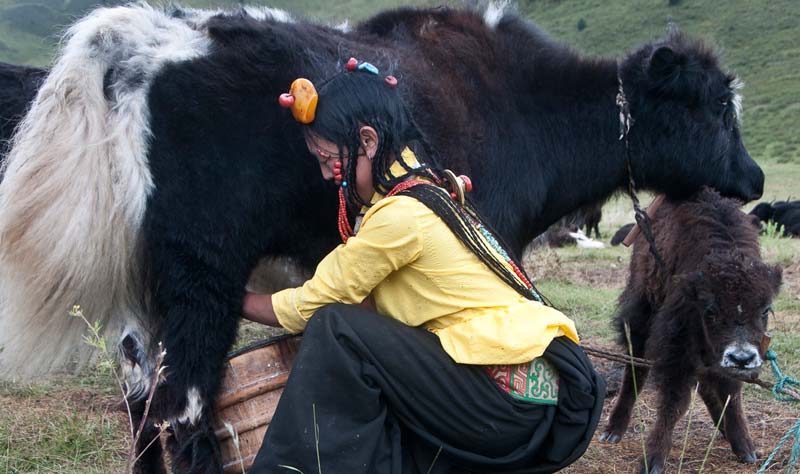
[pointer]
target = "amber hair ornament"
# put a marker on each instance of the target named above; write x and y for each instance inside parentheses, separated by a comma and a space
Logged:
(301, 100)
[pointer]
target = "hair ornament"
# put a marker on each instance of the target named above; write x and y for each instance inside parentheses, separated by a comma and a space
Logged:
(301, 100)
(391, 81)
(365, 66)
(458, 186)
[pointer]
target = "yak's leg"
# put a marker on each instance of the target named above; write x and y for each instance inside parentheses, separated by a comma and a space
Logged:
(149, 450)
(673, 404)
(715, 390)
(138, 374)
(197, 293)
(636, 311)
(708, 392)
(623, 406)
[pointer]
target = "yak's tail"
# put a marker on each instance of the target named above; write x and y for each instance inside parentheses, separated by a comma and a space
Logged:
(76, 186)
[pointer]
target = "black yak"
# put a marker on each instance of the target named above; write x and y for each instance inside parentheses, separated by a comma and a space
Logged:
(155, 167)
(621, 233)
(592, 214)
(701, 321)
(784, 214)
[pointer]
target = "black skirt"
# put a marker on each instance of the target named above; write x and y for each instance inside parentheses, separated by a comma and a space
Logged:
(368, 394)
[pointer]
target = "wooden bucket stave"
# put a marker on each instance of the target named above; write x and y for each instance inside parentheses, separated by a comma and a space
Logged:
(252, 385)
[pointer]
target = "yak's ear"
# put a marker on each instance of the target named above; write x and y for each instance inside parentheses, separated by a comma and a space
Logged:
(666, 64)
(775, 277)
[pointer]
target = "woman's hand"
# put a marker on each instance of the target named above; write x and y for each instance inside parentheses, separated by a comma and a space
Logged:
(258, 308)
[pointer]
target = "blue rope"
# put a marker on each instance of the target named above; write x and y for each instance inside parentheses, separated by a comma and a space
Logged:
(779, 393)
(783, 380)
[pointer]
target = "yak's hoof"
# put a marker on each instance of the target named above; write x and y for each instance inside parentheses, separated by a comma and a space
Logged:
(610, 437)
(748, 458)
(653, 467)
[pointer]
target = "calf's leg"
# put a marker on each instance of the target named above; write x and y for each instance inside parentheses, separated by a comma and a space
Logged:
(715, 390)
(637, 312)
(673, 402)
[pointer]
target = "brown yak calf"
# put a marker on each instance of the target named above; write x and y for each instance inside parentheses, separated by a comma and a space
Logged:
(702, 321)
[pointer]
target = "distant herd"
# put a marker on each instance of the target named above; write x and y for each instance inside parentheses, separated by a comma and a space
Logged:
(147, 172)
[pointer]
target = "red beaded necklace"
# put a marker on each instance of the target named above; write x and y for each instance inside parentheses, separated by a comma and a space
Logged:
(345, 229)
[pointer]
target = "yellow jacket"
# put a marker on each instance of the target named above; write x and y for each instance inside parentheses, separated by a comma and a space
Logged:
(420, 274)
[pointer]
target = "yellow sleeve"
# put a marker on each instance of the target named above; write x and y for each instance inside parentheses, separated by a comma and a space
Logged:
(387, 240)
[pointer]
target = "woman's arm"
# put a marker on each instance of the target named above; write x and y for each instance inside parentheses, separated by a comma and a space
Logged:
(258, 308)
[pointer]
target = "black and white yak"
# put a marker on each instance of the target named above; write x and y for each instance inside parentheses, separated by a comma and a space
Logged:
(155, 167)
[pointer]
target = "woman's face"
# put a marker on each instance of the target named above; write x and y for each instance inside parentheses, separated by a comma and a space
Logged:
(327, 153)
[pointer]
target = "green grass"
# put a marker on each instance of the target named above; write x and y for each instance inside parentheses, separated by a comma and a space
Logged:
(68, 425)
(591, 308)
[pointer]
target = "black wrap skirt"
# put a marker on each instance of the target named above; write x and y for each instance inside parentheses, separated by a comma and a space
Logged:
(368, 394)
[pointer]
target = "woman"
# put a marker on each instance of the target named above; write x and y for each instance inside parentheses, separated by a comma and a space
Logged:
(453, 362)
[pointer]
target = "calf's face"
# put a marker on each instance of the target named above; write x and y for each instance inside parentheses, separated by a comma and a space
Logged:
(732, 298)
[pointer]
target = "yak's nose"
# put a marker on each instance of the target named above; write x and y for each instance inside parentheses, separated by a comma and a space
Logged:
(741, 357)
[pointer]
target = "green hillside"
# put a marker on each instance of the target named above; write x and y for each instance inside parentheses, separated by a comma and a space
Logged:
(758, 38)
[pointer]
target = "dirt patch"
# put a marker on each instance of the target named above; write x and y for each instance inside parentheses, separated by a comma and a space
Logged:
(791, 280)
(604, 275)
(543, 263)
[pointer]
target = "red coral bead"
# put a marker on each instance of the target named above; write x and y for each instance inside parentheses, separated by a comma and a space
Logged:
(286, 100)
(467, 183)
(351, 65)
(391, 80)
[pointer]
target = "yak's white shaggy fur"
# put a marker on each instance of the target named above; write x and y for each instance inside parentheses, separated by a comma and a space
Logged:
(495, 11)
(76, 185)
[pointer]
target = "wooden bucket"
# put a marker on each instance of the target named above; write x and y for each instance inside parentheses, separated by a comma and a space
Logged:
(253, 383)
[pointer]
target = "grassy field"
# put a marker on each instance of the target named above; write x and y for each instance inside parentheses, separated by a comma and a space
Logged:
(72, 425)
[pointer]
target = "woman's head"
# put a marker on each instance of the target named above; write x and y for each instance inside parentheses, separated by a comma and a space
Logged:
(359, 116)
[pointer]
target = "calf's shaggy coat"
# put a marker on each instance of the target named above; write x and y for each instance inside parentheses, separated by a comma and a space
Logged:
(702, 321)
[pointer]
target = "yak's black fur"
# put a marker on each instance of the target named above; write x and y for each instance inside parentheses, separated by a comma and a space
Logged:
(715, 296)
(18, 85)
(532, 122)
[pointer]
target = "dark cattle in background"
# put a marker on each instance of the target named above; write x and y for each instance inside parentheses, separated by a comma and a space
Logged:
(592, 215)
(704, 320)
(785, 214)
(621, 233)
(18, 85)
(154, 168)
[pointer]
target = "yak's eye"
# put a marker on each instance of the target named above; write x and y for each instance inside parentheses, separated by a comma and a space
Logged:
(723, 102)
(766, 313)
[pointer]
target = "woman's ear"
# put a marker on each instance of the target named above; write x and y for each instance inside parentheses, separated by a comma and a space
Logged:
(369, 141)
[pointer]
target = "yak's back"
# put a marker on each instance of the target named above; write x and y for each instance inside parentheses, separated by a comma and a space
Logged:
(688, 231)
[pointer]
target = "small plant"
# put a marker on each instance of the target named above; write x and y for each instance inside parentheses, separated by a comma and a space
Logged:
(773, 230)
(108, 363)
(581, 24)
(636, 394)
